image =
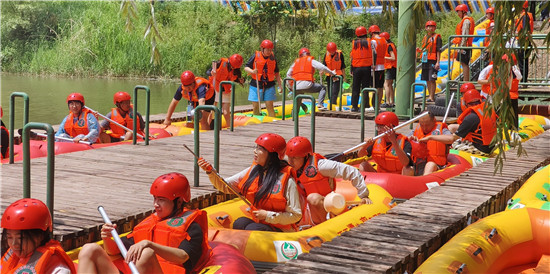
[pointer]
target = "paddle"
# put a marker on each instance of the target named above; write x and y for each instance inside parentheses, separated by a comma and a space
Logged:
(114, 122)
(118, 242)
(448, 107)
(338, 156)
(63, 138)
(258, 87)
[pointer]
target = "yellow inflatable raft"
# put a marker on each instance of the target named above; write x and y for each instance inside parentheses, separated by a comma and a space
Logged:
(534, 192)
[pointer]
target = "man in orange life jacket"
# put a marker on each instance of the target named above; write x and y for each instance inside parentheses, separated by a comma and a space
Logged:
(489, 14)
(173, 239)
(302, 70)
(524, 24)
(264, 69)
(80, 124)
(392, 153)
(225, 70)
(379, 49)
(122, 114)
(436, 157)
(431, 51)
(465, 27)
(196, 90)
(27, 228)
(316, 178)
(391, 71)
(474, 126)
(334, 60)
(361, 68)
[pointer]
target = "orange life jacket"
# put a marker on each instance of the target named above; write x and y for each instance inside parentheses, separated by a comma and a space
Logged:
(458, 31)
(38, 262)
(491, 87)
(437, 151)
(8, 150)
(311, 179)
(391, 63)
(303, 70)
(361, 56)
(381, 50)
(127, 121)
(519, 22)
(486, 129)
(276, 201)
(260, 62)
(171, 232)
(387, 160)
(81, 125)
(334, 62)
(223, 73)
(487, 40)
(193, 96)
(430, 44)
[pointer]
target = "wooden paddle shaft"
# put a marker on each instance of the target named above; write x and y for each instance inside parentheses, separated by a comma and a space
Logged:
(114, 122)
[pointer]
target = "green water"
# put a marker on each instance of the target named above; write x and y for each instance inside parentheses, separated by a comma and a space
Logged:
(47, 95)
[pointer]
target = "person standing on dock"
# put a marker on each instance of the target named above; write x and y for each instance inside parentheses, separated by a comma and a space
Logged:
(269, 184)
(196, 90)
(361, 68)
(81, 123)
(316, 179)
(122, 114)
(225, 70)
(465, 27)
(334, 60)
(379, 49)
(390, 66)
(303, 70)
(173, 239)
(264, 69)
(430, 56)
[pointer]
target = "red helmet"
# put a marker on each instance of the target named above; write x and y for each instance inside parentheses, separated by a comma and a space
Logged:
(187, 78)
(171, 186)
(385, 35)
(466, 86)
(387, 118)
(490, 10)
(303, 50)
(525, 4)
(273, 143)
(431, 23)
(298, 147)
(266, 44)
(462, 7)
(471, 96)
(27, 213)
(121, 96)
(75, 97)
(360, 31)
(331, 47)
(236, 61)
(374, 28)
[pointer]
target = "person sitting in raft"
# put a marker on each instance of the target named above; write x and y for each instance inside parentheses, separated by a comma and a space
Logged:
(80, 124)
(269, 184)
(474, 127)
(173, 239)
(4, 143)
(316, 178)
(392, 153)
(27, 227)
(436, 156)
(122, 114)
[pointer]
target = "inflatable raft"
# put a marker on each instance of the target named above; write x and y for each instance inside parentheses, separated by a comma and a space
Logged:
(507, 242)
(267, 249)
(534, 193)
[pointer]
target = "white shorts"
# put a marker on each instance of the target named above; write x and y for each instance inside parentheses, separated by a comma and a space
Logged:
(226, 97)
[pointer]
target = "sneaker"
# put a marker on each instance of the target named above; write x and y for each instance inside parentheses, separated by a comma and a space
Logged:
(371, 109)
(354, 109)
(321, 108)
(384, 105)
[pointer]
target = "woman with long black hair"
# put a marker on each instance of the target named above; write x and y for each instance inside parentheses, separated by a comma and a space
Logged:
(269, 184)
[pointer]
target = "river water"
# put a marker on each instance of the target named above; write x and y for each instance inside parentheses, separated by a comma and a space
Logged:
(47, 95)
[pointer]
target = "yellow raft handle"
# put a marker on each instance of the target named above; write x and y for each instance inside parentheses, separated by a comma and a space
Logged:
(310, 239)
(493, 233)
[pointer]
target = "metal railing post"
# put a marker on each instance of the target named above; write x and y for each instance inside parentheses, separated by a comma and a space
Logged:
(12, 117)
(50, 161)
(363, 104)
(413, 93)
(147, 108)
(232, 108)
(284, 93)
(448, 92)
(297, 112)
(217, 116)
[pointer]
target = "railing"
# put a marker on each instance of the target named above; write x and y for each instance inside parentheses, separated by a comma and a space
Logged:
(220, 101)
(198, 115)
(411, 107)
(147, 108)
(364, 92)
(296, 112)
(12, 117)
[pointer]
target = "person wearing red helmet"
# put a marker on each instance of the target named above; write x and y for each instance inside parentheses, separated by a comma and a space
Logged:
(269, 184)
(361, 67)
(379, 49)
(465, 27)
(264, 69)
(524, 27)
(436, 158)
(122, 114)
(430, 57)
(392, 153)
(391, 71)
(174, 239)
(81, 123)
(316, 179)
(26, 228)
(474, 127)
(334, 60)
(197, 91)
(303, 70)
(225, 69)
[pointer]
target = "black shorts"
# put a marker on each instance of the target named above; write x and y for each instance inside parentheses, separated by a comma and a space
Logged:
(428, 70)
(464, 57)
(391, 73)
(379, 79)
